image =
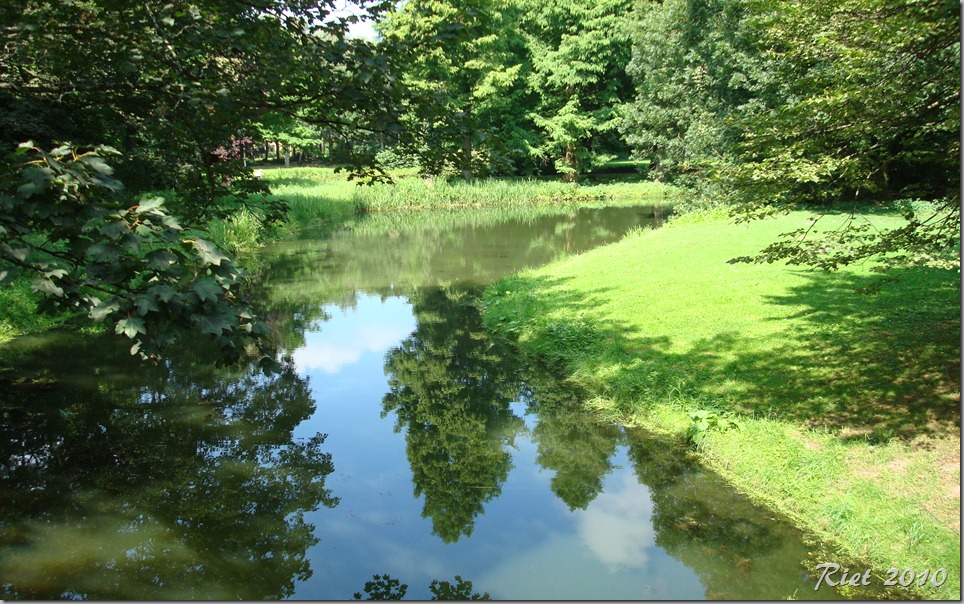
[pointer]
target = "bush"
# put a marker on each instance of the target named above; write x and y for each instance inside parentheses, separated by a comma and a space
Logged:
(391, 159)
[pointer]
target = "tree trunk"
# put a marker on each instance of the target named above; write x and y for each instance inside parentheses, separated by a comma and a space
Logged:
(572, 163)
(287, 157)
(467, 158)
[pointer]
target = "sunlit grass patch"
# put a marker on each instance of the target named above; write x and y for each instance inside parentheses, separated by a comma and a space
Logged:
(19, 312)
(814, 373)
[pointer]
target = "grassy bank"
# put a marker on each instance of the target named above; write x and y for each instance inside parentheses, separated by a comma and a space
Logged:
(838, 408)
(19, 314)
(319, 197)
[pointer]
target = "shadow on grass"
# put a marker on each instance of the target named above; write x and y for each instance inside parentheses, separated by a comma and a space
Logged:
(867, 366)
(871, 365)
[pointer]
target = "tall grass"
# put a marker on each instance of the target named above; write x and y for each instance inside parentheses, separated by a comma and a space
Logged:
(444, 219)
(241, 234)
(319, 197)
(418, 194)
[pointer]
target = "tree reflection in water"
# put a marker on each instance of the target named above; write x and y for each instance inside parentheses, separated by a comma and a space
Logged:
(186, 483)
(450, 388)
(577, 445)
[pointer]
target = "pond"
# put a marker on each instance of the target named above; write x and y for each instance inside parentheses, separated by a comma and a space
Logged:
(398, 438)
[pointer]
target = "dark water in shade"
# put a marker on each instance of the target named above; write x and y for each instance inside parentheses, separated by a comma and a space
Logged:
(400, 437)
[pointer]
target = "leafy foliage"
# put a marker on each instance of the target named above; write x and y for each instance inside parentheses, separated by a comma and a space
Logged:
(462, 67)
(450, 390)
(507, 86)
(578, 51)
(180, 480)
(66, 224)
(169, 84)
(577, 445)
(462, 590)
(692, 66)
(383, 587)
(819, 103)
(177, 89)
(862, 101)
(705, 421)
(864, 104)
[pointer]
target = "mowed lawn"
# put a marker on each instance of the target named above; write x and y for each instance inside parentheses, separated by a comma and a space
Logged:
(840, 408)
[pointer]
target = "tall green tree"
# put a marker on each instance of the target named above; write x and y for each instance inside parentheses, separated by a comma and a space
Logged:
(462, 68)
(692, 67)
(578, 51)
(812, 103)
(450, 391)
(181, 480)
(863, 104)
(577, 445)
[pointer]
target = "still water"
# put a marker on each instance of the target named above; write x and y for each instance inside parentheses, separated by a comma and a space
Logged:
(399, 438)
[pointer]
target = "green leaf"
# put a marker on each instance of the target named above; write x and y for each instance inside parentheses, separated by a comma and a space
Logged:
(160, 260)
(17, 253)
(98, 164)
(150, 205)
(164, 293)
(130, 327)
(48, 288)
(145, 305)
(101, 310)
(29, 189)
(171, 223)
(115, 229)
(107, 253)
(207, 289)
(213, 325)
(208, 252)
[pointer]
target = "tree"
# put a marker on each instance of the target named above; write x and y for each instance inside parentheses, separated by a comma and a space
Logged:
(180, 480)
(575, 444)
(87, 247)
(809, 104)
(692, 65)
(159, 91)
(462, 70)
(450, 391)
(384, 587)
(578, 51)
(863, 104)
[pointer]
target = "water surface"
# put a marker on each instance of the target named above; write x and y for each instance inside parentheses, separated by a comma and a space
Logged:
(400, 437)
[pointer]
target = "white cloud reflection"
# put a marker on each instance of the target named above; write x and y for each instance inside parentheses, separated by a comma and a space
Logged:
(617, 527)
(373, 326)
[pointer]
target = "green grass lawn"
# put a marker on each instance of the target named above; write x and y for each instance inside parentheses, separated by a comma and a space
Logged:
(841, 409)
